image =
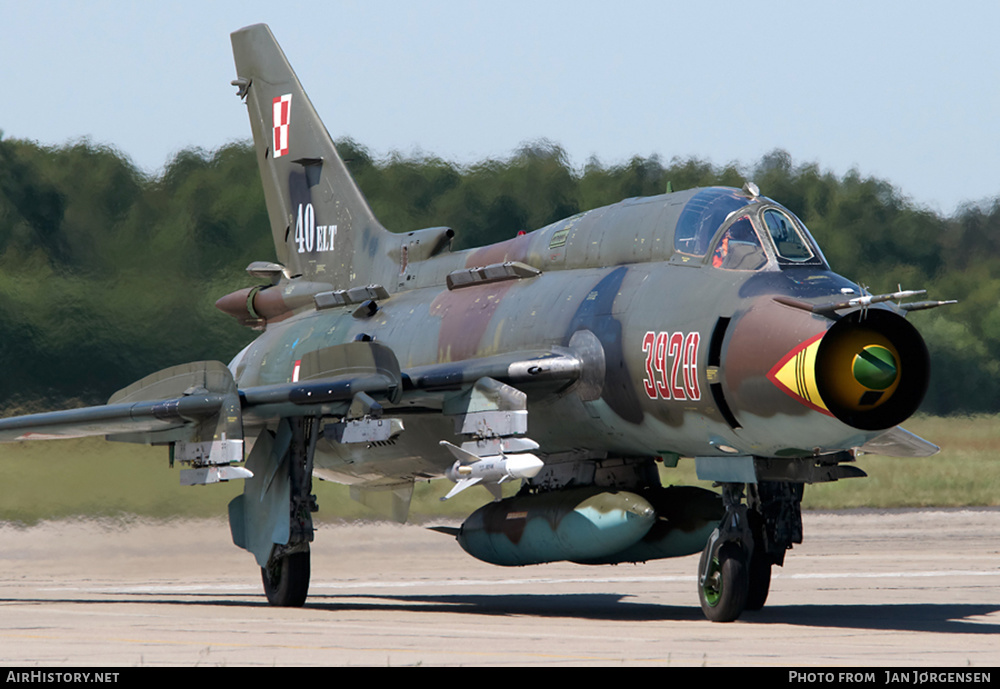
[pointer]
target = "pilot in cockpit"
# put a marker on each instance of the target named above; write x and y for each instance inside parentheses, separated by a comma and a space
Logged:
(739, 248)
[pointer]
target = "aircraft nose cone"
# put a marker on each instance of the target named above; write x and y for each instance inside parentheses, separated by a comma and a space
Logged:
(875, 367)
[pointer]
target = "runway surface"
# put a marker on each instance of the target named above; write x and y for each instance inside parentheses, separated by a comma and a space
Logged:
(898, 588)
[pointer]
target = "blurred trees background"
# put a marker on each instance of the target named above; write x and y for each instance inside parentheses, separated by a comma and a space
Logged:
(107, 274)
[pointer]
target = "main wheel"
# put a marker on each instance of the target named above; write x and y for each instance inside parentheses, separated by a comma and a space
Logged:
(286, 581)
(722, 583)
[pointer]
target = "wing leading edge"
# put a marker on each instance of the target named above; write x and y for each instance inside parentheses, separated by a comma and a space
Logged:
(145, 411)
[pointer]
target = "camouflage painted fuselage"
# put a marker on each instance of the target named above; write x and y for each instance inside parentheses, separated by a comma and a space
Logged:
(687, 346)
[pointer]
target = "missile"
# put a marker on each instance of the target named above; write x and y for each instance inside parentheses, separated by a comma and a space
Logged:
(491, 470)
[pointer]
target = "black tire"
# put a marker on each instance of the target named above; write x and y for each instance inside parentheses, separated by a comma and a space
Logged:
(759, 583)
(286, 582)
(759, 568)
(722, 583)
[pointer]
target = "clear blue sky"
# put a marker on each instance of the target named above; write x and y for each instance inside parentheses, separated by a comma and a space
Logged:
(904, 91)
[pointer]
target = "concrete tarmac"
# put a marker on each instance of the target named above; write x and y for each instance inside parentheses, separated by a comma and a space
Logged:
(901, 588)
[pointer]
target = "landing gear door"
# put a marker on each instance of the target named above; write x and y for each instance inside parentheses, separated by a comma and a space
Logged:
(260, 518)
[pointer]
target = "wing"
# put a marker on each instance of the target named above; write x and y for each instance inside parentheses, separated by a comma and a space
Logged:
(194, 407)
(198, 410)
(154, 407)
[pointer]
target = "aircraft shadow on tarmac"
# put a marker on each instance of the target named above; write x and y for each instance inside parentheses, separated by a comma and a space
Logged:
(939, 618)
(942, 618)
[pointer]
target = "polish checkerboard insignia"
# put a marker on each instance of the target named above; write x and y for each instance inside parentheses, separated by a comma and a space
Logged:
(281, 111)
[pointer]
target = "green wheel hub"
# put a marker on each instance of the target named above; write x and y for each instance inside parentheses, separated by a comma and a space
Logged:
(712, 585)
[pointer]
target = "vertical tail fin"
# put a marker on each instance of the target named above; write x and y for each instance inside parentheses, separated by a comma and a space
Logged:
(323, 228)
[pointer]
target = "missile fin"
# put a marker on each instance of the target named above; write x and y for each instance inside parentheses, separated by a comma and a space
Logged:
(462, 485)
(463, 456)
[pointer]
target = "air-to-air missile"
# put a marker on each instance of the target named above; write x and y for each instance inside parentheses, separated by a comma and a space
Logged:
(492, 469)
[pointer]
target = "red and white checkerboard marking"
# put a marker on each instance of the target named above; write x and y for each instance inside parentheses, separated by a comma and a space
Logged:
(281, 109)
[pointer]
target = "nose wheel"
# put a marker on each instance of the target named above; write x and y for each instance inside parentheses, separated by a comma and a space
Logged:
(724, 569)
(723, 581)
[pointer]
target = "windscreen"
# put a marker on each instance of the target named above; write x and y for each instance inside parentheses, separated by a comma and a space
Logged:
(789, 243)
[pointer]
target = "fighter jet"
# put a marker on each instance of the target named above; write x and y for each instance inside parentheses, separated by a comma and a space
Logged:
(577, 359)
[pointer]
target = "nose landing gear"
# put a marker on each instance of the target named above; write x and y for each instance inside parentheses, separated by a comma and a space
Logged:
(723, 580)
(723, 583)
(734, 573)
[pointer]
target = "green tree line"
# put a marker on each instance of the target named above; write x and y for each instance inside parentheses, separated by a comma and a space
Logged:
(107, 274)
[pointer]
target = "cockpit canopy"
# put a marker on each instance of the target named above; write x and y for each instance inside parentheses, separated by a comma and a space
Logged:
(743, 232)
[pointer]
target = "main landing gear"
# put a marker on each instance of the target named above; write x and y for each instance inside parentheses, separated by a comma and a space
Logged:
(734, 573)
(286, 574)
